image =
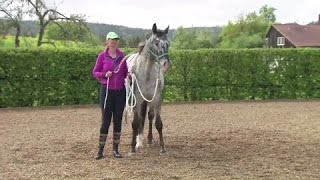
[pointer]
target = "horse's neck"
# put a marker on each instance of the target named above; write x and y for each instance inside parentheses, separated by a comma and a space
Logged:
(147, 63)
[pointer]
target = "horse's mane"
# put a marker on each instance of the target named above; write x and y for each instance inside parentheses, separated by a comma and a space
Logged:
(141, 46)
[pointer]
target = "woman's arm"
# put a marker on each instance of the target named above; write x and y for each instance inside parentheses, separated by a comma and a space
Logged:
(97, 70)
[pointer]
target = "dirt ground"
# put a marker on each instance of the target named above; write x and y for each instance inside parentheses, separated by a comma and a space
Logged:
(216, 140)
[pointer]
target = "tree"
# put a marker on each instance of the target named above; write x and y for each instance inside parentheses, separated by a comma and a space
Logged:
(184, 39)
(267, 13)
(133, 42)
(194, 38)
(4, 26)
(123, 43)
(47, 15)
(67, 31)
(249, 30)
(13, 13)
(71, 31)
(205, 38)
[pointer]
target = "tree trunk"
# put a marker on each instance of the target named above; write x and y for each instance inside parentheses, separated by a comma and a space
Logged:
(43, 25)
(40, 37)
(41, 30)
(17, 41)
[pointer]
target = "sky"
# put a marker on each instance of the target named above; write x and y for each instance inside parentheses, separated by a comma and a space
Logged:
(186, 13)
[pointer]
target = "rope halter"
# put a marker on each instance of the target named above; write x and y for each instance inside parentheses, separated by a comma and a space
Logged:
(158, 56)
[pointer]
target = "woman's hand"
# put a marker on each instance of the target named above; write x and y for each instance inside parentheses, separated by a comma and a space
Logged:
(107, 74)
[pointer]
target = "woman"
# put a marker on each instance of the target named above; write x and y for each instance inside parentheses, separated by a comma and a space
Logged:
(111, 70)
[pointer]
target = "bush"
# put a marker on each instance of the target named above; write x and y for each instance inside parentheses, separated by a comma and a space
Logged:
(61, 76)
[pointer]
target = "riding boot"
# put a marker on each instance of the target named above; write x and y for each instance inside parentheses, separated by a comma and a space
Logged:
(115, 152)
(115, 145)
(100, 152)
(102, 142)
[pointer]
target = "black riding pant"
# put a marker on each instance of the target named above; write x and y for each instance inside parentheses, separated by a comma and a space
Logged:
(115, 104)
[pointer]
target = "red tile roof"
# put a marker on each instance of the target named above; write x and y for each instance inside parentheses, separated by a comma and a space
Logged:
(300, 35)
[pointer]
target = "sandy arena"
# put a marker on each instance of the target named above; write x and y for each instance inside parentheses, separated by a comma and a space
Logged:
(215, 140)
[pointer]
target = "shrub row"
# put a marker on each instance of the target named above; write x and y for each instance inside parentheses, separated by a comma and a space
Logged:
(50, 76)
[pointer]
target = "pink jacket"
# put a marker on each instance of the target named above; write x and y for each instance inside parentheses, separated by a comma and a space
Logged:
(105, 63)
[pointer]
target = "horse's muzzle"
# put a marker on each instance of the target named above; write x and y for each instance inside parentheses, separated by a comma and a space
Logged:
(165, 65)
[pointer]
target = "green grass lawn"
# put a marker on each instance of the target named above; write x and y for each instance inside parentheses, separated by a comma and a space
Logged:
(28, 42)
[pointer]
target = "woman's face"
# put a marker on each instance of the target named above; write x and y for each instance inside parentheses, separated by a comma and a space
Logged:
(113, 43)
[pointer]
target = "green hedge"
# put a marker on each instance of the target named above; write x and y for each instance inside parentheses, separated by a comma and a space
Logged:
(244, 74)
(45, 77)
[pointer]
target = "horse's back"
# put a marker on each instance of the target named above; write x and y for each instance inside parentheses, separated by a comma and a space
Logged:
(131, 61)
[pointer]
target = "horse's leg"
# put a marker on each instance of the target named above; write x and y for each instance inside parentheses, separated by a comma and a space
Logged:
(135, 127)
(159, 127)
(150, 117)
(142, 117)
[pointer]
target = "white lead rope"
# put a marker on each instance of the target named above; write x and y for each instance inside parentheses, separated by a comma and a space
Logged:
(132, 97)
(130, 91)
(106, 96)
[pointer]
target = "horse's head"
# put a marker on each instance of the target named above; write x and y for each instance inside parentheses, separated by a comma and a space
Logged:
(158, 47)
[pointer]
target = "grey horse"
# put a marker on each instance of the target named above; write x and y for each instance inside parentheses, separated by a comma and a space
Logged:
(148, 67)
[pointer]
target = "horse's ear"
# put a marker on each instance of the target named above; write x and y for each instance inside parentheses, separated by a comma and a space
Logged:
(166, 30)
(154, 28)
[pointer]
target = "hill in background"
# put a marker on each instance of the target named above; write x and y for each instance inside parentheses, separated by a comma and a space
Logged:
(30, 28)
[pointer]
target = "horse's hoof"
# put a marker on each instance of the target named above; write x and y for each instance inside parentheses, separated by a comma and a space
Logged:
(163, 151)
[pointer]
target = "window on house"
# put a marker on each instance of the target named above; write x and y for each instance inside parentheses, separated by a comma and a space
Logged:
(280, 41)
